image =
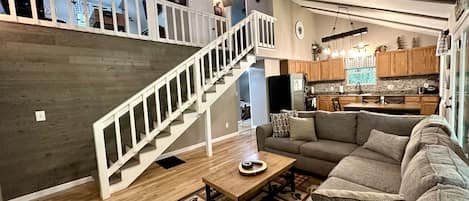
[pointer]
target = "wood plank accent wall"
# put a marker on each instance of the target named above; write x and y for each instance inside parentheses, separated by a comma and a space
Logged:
(76, 78)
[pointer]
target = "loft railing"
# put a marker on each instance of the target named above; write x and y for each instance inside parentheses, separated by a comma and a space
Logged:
(152, 109)
(154, 20)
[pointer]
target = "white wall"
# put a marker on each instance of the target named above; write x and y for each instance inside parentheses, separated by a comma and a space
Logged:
(377, 35)
(288, 46)
(272, 67)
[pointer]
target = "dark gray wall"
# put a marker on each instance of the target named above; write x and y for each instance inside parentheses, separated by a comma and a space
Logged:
(76, 78)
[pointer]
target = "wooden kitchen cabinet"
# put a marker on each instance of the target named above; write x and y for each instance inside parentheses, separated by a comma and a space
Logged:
(325, 70)
(428, 104)
(315, 71)
(416, 61)
(412, 99)
(332, 69)
(337, 69)
(383, 64)
(324, 103)
(422, 61)
(399, 63)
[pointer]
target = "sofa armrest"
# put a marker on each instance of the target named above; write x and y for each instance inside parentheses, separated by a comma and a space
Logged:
(262, 132)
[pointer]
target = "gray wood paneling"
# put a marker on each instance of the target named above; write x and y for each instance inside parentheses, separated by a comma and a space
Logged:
(76, 78)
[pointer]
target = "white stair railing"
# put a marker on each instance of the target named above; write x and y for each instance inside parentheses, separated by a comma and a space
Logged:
(165, 100)
(153, 20)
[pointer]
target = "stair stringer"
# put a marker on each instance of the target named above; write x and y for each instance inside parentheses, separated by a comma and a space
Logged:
(130, 174)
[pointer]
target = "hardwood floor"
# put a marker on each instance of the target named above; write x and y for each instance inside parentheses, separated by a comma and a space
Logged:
(158, 183)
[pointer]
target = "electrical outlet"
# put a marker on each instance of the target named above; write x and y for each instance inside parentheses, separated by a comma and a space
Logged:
(40, 115)
(332, 88)
(390, 87)
(227, 125)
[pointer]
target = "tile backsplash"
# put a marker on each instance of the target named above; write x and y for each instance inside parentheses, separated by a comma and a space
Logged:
(395, 85)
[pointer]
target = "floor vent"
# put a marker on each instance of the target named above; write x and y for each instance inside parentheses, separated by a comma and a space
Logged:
(170, 162)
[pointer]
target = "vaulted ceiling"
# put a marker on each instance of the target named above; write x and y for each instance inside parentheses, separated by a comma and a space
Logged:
(424, 16)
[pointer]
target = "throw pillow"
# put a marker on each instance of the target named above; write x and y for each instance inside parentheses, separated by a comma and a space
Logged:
(280, 125)
(387, 144)
(302, 129)
(357, 195)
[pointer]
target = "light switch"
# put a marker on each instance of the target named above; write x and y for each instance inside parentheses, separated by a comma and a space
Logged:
(40, 115)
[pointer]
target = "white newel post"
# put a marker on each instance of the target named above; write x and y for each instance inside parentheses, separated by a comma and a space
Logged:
(256, 32)
(100, 148)
(208, 133)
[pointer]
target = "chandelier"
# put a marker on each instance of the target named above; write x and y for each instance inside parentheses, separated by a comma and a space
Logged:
(354, 50)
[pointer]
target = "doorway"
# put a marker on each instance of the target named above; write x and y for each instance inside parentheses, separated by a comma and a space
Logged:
(253, 98)
(244, 122)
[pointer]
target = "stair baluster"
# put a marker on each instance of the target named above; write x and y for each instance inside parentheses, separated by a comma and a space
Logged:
(173, 114)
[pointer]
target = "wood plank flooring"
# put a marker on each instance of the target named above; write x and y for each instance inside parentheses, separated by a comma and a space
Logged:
(158, 183)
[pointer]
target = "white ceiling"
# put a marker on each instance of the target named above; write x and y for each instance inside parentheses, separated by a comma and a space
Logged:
(424, 16)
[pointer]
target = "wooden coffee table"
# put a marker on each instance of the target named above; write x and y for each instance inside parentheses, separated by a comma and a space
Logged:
(226, 179)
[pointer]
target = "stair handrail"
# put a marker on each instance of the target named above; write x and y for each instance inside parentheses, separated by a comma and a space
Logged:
(258, 23)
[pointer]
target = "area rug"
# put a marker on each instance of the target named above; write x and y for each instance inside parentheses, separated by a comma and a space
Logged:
(303, 183)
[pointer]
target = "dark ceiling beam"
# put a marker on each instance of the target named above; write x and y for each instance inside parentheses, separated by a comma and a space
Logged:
(380, 9)
(373, 18)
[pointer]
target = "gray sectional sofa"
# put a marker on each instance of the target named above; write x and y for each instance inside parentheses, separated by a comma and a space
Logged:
(339, 154)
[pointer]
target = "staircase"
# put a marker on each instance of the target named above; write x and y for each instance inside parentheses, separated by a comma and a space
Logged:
(133, 135)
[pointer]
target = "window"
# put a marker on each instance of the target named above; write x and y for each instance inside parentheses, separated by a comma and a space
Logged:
(360, 70)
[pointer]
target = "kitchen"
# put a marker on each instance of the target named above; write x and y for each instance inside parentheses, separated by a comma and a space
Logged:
(405, 77)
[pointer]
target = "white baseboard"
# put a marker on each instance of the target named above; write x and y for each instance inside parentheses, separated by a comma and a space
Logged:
(68, 185)
(52, 190)
(195, 146)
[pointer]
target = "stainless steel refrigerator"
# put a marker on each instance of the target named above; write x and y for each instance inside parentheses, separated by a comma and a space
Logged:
(286, 92)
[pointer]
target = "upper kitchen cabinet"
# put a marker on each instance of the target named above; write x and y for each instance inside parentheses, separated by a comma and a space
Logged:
(315, 71)
(332, 69)
(399, 63)
(416, 61)
(383, 64)
(337, 69)
(325, 70)
(422, 61)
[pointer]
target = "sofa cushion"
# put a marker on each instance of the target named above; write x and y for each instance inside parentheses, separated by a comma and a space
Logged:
(387, 144)
(342, 184)
(302, 129)
(395, 124)
(358, 195)
(307, 114)
(430, 131)
(379, 175)
(445, 193)
(366, 153)
(338, 126)
(432, 165)
(434, 121)
(327, 150)
(284, 144)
